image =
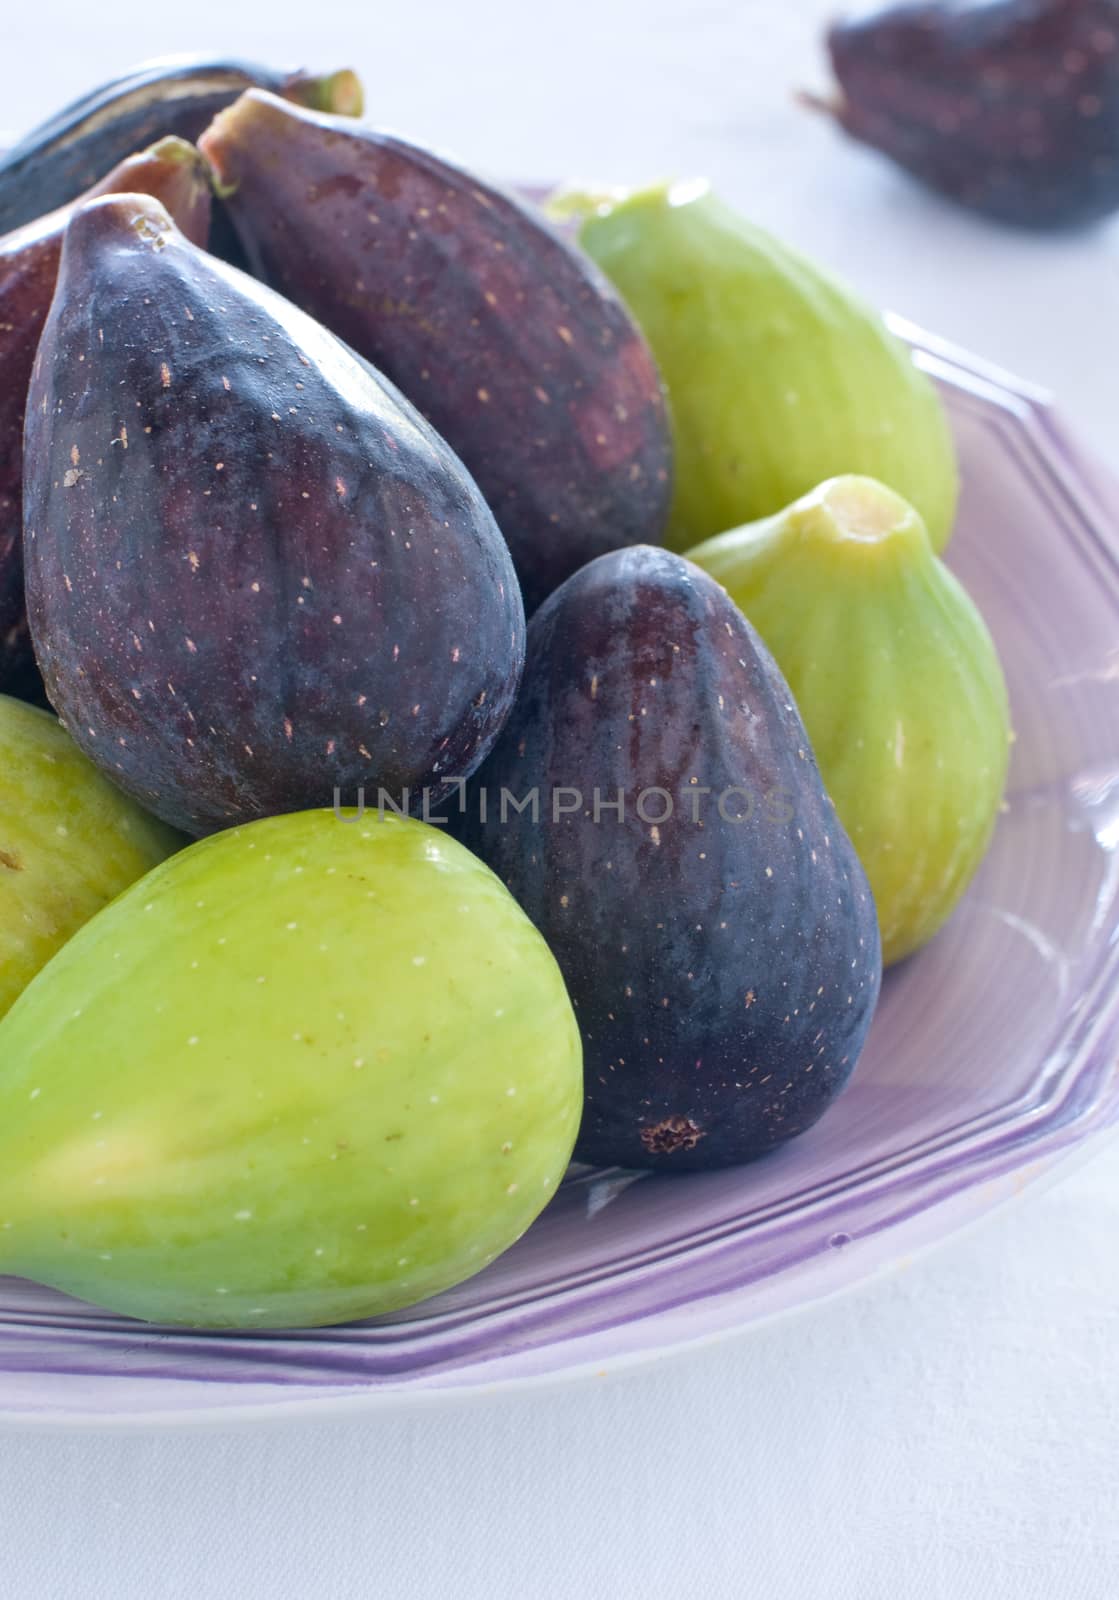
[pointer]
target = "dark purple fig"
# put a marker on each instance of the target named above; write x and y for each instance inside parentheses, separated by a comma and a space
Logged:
(66, 155)
(175, 173)
(1010, 107)
(509, 341)
(712, 922)
(254, 573)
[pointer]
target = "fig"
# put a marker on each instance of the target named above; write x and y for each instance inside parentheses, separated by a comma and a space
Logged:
(254, 574)
(309, 1070)
(654, 805)
(173, 171)
(69, 843)
(778, 376)
(898, 682)
(177, 95)
(511, 343)
(1010, 107)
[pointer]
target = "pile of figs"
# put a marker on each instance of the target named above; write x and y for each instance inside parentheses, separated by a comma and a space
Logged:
(341, 904)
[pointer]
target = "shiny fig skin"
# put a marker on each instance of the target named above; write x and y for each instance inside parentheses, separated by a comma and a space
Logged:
(176, 174)
(254, 574)
(511, 342)
(1009, 107)
(724, 960)
(71, 151)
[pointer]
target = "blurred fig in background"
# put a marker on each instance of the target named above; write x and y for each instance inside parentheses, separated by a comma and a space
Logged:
(1010, 107)
(510, 342)
(175, 173)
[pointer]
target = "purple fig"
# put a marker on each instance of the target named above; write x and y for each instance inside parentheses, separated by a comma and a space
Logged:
(512, 343)
(654, 805)
(1010, 107)
(254, 574)
(175, 173)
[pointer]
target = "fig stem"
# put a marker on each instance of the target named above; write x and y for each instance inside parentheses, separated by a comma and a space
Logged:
(338, 92)
(176, 150)
(222, 190)
(209, 145)
(826, 105)
(853, 511)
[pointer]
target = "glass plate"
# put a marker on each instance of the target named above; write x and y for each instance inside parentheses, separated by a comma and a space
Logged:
(992, 1058)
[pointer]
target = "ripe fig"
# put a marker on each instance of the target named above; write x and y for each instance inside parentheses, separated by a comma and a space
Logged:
(175, 173)
(510, 342)
(254, 573)
(778, 376)
(305, 1072)
(712, 922)
(76, 147)
(897, 680)
(1010, 107)
(69, 843)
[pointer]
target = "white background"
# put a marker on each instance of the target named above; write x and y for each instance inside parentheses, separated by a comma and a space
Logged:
(949, 1432)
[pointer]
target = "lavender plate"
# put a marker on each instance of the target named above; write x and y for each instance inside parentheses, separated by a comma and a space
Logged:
(993, 1056)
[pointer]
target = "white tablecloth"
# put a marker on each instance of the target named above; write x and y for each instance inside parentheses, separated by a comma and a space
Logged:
(947, 1433)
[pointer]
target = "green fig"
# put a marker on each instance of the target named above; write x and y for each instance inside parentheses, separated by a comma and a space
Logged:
(69, 843)
(778, 376)
(312, 1069)
(898, 682)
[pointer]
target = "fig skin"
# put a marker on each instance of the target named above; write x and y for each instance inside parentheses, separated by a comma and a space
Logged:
(1010, 108)
(176, 174)
(898, 682)
(254, 573)
(778, 375)
(70, 152)
(307, 1071)
(69, 843)
(510, 342)
(724, 973)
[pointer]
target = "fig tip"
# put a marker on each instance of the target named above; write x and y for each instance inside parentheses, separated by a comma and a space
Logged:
(576, 200)
(339, 93)
(579, 202)
(826, 105)
(142, 214)
(855, 510)
(214, 147)
(172, 148)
